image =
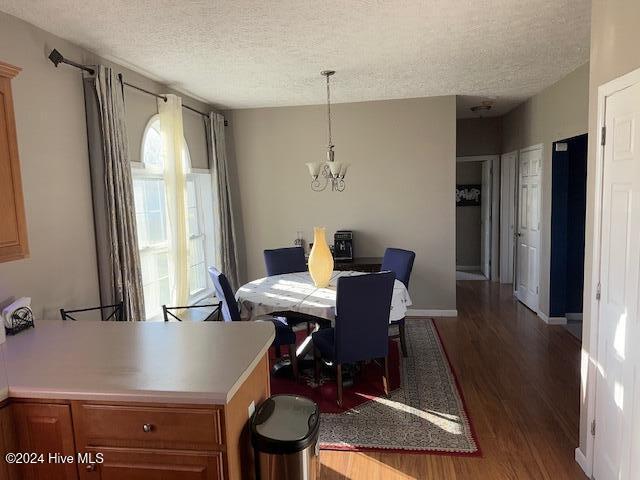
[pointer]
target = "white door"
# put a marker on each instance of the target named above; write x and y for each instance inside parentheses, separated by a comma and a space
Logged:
(485, 220)
(528, 234)
(617, 442)
(508, 169)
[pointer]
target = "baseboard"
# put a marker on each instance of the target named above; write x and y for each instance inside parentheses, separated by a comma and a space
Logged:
(416, 312)
(467, 268)
(574, 317)
(552, 320)
(582, 461)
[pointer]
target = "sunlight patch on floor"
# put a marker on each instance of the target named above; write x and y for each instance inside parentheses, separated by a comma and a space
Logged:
(447, 422)
(380, 469)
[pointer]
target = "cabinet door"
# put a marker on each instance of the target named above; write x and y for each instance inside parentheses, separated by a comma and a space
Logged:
(45, 429)
(150, 465)
(7, 443)
(13, 228)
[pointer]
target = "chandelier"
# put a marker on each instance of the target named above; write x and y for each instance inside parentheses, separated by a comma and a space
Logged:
(329, 172)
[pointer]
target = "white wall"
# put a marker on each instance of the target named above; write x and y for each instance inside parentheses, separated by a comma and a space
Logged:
(556, 113)
(478, 136)
(400, 189)
(52, 143)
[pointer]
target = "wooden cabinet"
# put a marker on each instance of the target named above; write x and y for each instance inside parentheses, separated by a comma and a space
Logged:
(45, 429)
(360, 264)
(99, 425)
(152, 465)
(13, 226)
(7, 442)
(149, 441)
(139, 441)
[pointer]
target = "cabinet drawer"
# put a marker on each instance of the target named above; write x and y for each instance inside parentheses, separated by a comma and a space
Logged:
(132, 465)
(147, 427)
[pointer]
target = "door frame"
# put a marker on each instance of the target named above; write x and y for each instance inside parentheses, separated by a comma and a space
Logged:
(494, 208)
(537, 146)
(508, 200)
(486, 219)
(590, 358)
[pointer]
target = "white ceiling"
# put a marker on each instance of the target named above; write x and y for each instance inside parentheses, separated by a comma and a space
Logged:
(256, 53)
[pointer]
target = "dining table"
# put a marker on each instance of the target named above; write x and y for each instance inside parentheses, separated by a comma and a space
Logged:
(296, 292)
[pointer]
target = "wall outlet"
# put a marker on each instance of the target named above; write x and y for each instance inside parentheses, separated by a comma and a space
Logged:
(251, 409)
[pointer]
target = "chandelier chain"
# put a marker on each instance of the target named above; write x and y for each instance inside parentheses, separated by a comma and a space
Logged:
(329, 109)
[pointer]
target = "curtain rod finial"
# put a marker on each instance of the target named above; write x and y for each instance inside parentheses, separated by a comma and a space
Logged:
(56, 57)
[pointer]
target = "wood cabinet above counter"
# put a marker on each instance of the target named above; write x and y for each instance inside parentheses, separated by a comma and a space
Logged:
(13, 224)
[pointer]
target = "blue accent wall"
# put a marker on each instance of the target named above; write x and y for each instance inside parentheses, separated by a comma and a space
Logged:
(568, 211)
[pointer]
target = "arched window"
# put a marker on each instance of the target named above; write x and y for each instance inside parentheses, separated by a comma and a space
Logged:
(152, 223)
(151, 149)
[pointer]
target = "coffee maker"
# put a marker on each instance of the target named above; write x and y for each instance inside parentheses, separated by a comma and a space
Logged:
(343, 245)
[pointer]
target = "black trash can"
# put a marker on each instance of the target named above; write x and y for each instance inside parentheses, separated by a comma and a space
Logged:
(284, 434)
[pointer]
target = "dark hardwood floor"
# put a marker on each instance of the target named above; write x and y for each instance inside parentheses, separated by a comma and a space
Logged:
(520, 380)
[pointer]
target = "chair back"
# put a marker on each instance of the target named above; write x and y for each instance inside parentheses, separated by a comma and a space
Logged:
(399, 262)
(213, 314)
(115, 312)
(224, 292)
(363, 306)
(285, 260)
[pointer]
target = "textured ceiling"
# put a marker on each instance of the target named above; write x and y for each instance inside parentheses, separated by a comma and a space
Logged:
(254, 53)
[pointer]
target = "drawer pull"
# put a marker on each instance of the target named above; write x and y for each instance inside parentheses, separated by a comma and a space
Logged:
(90, 467)
(147, 427)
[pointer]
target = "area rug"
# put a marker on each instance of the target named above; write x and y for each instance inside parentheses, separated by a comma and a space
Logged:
(360, 387)
(424, 413)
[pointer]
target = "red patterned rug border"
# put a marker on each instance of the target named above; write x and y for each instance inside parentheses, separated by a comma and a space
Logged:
(453, 453)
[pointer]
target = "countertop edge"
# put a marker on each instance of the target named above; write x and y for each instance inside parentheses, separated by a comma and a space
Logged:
(243, 377)
(21, 393)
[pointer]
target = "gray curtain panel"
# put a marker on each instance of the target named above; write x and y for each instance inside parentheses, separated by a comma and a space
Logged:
(219, 164)
(112, 188)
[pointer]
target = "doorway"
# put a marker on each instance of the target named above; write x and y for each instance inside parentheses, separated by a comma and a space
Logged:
(568, 215)
(474, 215)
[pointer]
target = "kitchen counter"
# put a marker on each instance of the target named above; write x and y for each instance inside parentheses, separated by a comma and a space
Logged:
(190, 363)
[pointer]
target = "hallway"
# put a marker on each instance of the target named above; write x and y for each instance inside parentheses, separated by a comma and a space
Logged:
(520, 380)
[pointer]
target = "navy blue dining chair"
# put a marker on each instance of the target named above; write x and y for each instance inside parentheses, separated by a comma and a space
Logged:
(231, 313)
(285, 260)
(291, 260)
(361, 331)
(400, 262)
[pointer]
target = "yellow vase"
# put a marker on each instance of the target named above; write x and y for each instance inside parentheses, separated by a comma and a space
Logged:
(320, 259)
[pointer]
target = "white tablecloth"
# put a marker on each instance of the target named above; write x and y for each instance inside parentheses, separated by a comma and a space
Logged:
(296, 291)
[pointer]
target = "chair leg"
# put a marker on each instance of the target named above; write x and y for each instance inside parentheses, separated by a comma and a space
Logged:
(385, 376)
(403, 339)
(293, 358)
(339, 382)
(316, 364)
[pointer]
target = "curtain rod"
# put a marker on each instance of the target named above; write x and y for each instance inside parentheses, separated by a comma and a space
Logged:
(56, 58)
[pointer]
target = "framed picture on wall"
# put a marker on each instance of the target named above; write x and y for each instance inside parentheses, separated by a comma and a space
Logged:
(468, 195)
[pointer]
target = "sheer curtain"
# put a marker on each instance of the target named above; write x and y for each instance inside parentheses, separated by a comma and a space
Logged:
(113, 204)
(226, 230)
(171, 131)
